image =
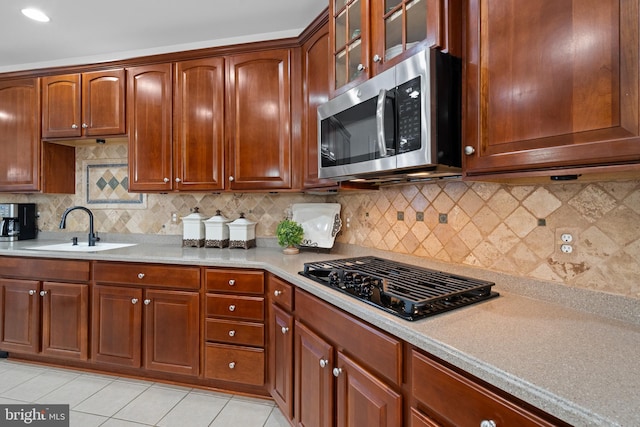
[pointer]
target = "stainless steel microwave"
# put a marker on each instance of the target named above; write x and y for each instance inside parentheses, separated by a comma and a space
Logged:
(401, 125)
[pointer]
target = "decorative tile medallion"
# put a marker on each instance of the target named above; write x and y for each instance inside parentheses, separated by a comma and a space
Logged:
(107, 184)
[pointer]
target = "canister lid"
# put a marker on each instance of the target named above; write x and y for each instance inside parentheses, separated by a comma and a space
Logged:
(242, 221)
(195, 216)
(218, 217)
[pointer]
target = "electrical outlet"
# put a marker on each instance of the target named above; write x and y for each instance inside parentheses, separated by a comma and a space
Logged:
(174, 218)
(566, 240)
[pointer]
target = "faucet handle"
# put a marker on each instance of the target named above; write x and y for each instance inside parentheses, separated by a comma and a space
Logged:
(74, 241)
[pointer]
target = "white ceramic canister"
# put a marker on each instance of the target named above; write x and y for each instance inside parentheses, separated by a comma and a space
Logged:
(217, 231)
(193, 231)
(242, 233)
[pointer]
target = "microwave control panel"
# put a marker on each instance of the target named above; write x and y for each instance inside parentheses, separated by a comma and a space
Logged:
(409, 102)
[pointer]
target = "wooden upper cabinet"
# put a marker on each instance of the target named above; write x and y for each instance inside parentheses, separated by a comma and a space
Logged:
(88, 104)
(199, 125)
(149, 117)
(259, 121)
(19, 135)
(315, 71)
(551, 87)
(369, 36)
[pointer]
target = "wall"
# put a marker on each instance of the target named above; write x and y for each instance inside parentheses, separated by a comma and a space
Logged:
(492, 226)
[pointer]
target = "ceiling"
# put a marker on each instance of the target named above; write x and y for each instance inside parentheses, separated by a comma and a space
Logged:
(85, 31)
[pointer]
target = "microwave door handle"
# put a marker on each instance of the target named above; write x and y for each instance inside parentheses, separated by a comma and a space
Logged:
(382, 146)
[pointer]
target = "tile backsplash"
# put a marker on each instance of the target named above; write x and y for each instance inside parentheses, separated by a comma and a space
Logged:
(507, 228)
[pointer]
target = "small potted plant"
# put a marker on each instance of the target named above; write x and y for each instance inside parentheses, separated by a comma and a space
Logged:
(289, 234)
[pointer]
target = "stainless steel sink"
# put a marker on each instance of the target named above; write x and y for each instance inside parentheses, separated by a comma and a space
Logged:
(80, 247)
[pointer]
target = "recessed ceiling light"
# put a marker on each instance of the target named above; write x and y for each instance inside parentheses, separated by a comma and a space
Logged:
(35, 14)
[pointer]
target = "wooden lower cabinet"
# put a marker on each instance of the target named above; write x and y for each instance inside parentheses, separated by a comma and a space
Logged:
(363, 399)
(452, 399)
(65, 320)
(42, 311)
(171, 333)
(19, 324)
(281, 359)
(313, 385)
(333, 384)
(117, 325)
(234, 344)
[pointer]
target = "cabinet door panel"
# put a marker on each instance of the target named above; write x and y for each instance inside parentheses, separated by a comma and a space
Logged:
(199, 124)
(116, 325)
(61, 103)
(314, 394)
(363, 400)
(65, 320)
(576, 108)
(259, 120)
(103, 106)
(20, 315)
(20, 135)
(149, 112)
(281, 359)
(171, 331)
(316, 91)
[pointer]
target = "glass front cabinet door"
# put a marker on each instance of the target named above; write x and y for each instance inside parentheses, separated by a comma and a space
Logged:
(368, 36)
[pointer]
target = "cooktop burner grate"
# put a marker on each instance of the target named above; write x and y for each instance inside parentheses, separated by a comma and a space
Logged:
(405, 290)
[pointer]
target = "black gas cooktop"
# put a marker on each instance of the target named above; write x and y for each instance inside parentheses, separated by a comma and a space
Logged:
(404, 290)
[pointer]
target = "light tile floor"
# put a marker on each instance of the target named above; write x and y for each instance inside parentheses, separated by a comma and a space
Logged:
(109, 401)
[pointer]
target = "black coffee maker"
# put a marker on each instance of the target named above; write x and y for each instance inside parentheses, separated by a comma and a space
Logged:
(17, 221)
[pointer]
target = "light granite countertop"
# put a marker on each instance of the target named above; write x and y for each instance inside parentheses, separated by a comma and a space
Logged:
(570, 352)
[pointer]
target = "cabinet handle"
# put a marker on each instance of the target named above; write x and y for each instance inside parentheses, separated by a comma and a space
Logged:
(360, 67)
(32, 291)
(277, 293)
(74, 126)
(377, 58)
(232, 333)
(232, 282)
(324, 363)
(232, 365)
(85, 126)
(487, 423)
(147, 302)
(232, 307)
(166, 180)
(140, 275)
(43, 293)
(230, 178)
(134, 300)
(337, 372)
(285, 330)
(469, 150)
(178, 180)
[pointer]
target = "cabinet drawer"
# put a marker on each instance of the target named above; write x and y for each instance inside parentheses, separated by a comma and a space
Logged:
(235, 332)
(280, 292)
(234, 281)
(235, 306)
(458, 400)
(236, 364)
(358, 337)
(163, 276)
(45, 269)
